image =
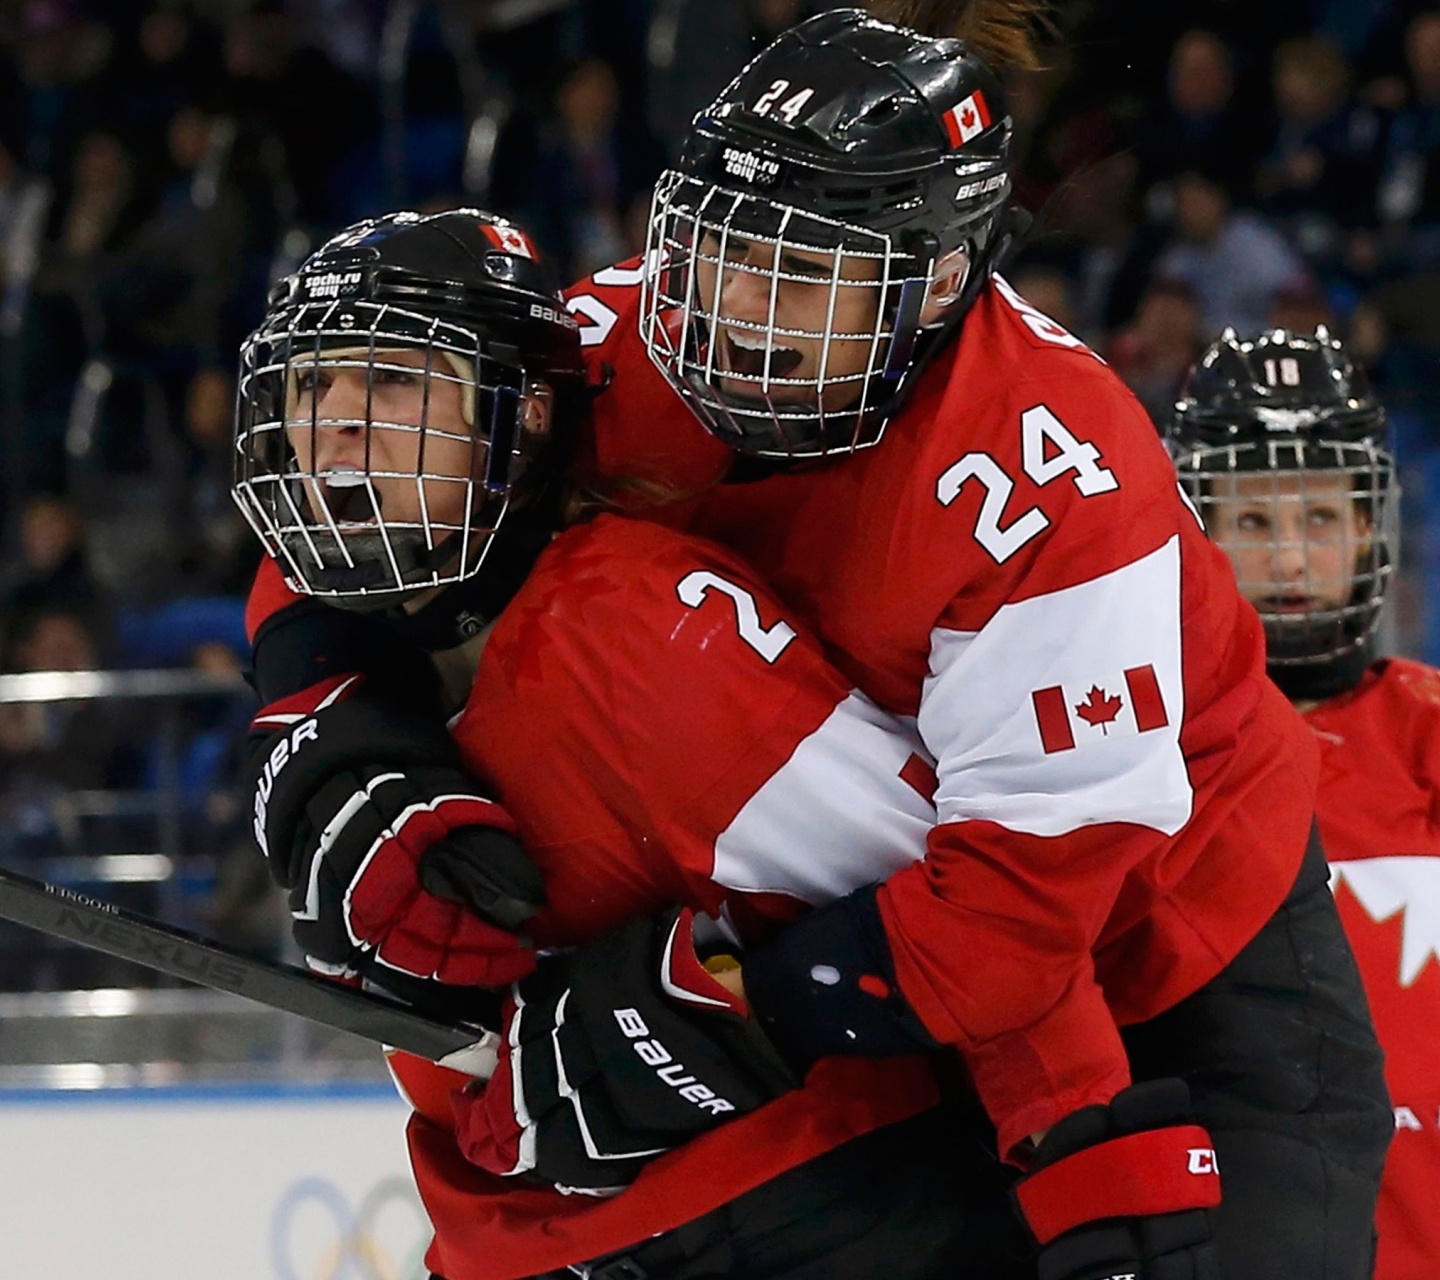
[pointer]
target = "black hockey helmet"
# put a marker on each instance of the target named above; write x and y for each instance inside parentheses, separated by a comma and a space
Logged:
(1287, 418)
(873, 150)
(458, 307)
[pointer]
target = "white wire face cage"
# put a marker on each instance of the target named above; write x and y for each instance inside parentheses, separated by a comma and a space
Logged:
(787, 333)
(375, 449)
(1311, 529)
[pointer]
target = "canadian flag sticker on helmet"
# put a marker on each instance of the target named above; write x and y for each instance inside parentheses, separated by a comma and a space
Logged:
(509, 239)
(966, 118)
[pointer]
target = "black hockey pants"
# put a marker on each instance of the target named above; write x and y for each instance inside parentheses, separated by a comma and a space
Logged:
(1284, 1069)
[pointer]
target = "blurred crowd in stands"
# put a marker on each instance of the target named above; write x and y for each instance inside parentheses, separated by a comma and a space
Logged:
(1190, 165)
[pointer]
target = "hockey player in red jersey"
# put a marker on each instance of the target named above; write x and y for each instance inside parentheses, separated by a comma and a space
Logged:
(975, 516)
(646, 722)
(1282, 445)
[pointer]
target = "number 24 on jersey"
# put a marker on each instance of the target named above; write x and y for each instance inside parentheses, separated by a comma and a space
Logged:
(1048, 451)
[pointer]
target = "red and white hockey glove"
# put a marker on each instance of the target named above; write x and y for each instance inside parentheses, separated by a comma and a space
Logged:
(399, 871)
(612, 1054)
(1122, 1192)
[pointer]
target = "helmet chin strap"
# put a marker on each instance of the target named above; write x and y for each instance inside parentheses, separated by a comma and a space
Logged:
(982, 263)
(1008, 235)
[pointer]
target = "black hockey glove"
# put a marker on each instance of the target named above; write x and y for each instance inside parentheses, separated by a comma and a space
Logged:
(612, 1054)
(399, 871)
(1122, 1192)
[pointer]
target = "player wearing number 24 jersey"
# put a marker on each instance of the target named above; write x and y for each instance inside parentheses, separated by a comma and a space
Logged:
(1015, 568)
(974, 515)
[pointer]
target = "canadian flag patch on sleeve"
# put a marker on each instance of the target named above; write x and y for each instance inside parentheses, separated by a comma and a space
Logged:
(1069, 717)
(967, 118)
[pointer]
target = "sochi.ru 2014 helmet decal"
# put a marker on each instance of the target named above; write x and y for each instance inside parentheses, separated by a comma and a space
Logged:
(819, 198)
(385, 403)
(1282, 447)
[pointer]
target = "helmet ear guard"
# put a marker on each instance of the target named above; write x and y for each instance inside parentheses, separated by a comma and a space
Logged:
(954, 266)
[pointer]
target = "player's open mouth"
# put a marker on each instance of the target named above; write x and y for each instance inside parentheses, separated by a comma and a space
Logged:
(348, 497)
(1290, 602)
(746, 353)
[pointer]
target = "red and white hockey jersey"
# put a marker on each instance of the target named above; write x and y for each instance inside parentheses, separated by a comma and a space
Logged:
(662, 734)
(1379, 810)
(1123, 798)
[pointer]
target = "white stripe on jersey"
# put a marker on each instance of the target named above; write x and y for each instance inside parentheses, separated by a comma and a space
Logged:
(836, 816)
(981, 719)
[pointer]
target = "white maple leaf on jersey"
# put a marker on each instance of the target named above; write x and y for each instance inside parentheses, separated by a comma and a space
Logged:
(1411, 885)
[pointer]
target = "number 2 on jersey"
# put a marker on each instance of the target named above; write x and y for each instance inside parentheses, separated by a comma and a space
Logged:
(1048, 451)
(768, 642)
(598, 319)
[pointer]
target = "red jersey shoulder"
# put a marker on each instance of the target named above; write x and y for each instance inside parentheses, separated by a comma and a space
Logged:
(1380, 784)
(1415, 683)
(640, 429)
(1032, 394)
(607, 304)
(1397, 703)
(268, 595)
(1032, 326)
(645, 607)
(1026, 449)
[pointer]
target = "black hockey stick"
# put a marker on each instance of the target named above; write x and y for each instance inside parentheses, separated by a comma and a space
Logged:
(100, 926)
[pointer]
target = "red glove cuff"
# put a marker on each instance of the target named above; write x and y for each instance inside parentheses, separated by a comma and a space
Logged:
(286, 712)
(684, 978)
(268, 595)
(1139, 1175)
(426, 1086)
